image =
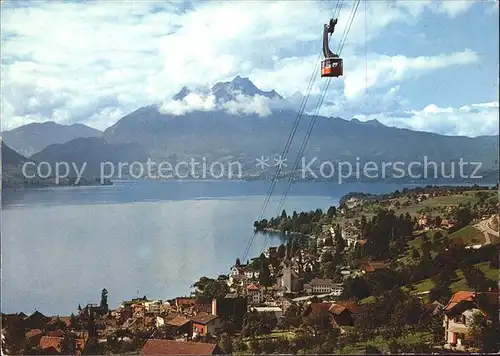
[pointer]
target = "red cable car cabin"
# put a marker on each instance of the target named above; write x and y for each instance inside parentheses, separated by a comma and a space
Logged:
(332, 67)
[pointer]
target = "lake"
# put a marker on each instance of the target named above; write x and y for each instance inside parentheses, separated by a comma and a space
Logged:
(61, 246)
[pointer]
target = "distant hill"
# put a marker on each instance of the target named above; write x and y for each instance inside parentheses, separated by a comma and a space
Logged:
(91, 151)
(222, 136)
(32, 138)
(11, 157)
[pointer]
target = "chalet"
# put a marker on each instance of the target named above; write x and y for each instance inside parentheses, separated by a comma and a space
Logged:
(447, 224)
(320, 286)
(255, 293)
(57, 323)
(372, 266)
(342, 314)
(276, 311)
(36, 321)
(155, 347)
(422, 221)
(459, 314)
(184, 303)
(204, 324)
(33, 337)
(351, 235)
(433, 308)
(319, 307)
(180, 325)
(49, 344)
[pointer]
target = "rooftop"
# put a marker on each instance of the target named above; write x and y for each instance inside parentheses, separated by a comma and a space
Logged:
(169, 347)
(204, 318)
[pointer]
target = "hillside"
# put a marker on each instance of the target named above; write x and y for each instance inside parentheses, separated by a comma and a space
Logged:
(32, 138)
(11, 157)
(223, 135)
(228, 135)
(91, 152)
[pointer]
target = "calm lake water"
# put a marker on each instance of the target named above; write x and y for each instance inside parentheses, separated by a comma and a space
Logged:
(61, 246)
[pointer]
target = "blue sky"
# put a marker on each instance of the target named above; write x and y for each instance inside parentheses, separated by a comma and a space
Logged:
(431, 65)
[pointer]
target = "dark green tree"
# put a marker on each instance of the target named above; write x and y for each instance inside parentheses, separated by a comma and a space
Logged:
(68, 344)
(104, 299)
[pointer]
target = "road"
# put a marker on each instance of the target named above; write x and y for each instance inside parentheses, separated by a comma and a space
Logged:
(485, 227)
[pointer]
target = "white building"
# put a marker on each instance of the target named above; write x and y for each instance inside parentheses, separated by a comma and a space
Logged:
(255, 293)
(154, 306)
(278, 313)
(319, 286)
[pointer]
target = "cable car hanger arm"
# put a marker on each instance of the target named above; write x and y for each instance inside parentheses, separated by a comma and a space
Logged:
(328, 29)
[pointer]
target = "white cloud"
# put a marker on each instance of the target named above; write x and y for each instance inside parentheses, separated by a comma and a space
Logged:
(468, 120)
(384, 70)
(246, 105)
(192, 102)
(76, 62)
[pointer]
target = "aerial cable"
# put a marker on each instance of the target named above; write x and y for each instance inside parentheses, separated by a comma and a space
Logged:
(285, 151)
(348, 28)
(313, 120)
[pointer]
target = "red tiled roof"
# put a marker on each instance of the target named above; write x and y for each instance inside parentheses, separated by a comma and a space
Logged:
(178, 321)
(204, 318)
(33, 332)
(320, 305)
(254, 287)
(349, 305)
(467, 296)
(55, 342)
(457, 298)
(336, 309)
(169, 347)
(56, 333)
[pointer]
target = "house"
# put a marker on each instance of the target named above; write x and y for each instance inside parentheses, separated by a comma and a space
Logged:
(342, 314)
(277, 311)
(255, 293)
(48, 344)
(372, 266)
(271, 252)
(284, 303)
(184, 303)
(204, 324)
(459, 314)
(447, 224)
(237, 271)
(154, 306)
(422, 221)
(36, 321)
(155, 347)
(433, 308)
(33, 337)
(252, 273)
(319, 307)
(320, 286)
(351, 235)
(180, 325)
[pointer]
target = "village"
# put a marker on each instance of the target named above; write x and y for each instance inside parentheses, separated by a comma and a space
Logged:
(358, 278)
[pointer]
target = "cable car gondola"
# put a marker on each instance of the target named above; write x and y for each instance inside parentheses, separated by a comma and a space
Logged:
(332, 65)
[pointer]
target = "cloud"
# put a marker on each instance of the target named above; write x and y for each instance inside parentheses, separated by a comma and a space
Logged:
(192, 102)
(468, 120)
(384, 70)
(76, 62)
(248, 105)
